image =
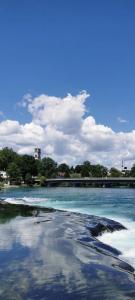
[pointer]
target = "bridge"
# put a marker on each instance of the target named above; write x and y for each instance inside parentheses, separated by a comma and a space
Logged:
(92, 181)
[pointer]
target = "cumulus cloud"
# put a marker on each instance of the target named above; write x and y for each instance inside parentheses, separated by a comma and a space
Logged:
(9, 127)
(65, 114)
(63, 130)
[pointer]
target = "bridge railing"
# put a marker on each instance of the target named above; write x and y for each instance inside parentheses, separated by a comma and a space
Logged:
(115, 179)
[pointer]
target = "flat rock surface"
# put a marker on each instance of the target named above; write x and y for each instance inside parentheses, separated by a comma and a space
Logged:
(49, 254)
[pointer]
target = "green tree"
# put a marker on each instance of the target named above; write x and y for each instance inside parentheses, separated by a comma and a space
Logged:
(86, 169)
(64, 168)
(72, 170)
(27, 165)
(42, 180)
(99, 171)
(78, 169)
(39, 166)
(132, 172)
(14, 173)
(48, 167)
(7, 155)
(114, 172)
(28, 179)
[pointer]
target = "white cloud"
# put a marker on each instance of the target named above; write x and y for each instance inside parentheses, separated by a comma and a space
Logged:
(9, 127)
(27, 98)
(61, 128)
(64, 114)
(98, 137)
(121, 120)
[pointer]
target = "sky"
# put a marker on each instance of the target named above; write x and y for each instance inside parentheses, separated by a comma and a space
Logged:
(67, 79)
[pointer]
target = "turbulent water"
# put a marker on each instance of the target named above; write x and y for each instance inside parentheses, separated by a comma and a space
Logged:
(117, 204)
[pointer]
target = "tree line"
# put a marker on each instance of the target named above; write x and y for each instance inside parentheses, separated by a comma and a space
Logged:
(24, 168)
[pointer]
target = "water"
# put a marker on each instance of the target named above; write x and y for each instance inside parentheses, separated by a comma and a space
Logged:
(51, 255)
(117, 204)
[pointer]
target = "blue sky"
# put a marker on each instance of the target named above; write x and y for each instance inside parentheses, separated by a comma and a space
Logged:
(58, 46)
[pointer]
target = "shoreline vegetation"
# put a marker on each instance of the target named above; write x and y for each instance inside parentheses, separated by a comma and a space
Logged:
(24, 170)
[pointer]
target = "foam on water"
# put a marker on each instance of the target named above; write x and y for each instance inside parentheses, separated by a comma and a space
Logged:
(27, 201)
(124, 240)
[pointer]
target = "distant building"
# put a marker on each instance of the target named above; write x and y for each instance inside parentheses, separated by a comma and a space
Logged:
(61, 174)
(4, 177)
(37, 153)
(124, 169)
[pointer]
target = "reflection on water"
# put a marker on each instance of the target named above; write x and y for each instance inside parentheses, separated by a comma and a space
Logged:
(41, 258)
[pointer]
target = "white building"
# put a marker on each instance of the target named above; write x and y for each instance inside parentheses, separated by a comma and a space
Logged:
(3, 175)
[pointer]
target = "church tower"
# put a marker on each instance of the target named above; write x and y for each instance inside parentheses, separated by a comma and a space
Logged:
(37, 153)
